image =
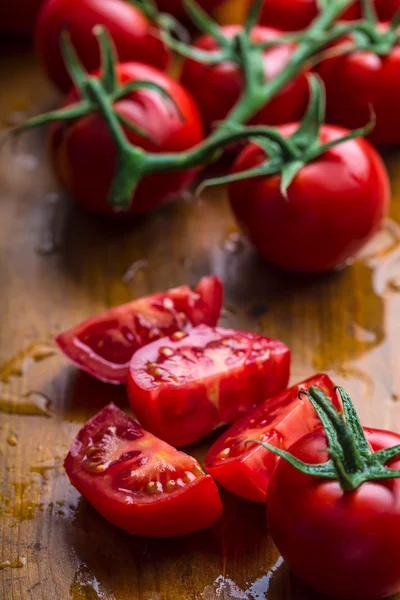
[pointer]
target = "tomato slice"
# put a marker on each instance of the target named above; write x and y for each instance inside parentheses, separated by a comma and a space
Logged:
(138, 482)
(245, 470)
(183, 387)
(104, 344)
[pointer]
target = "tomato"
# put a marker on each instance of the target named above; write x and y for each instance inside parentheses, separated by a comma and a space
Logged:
(83, 151)
(138, 482)
(216, 88)
(294, 15)
(184, 387)
(342, 544)
(246, 470)
(361, 80)
(177, 9)
(18, 17)
(334, 204)
(135, 38)
(104, 344)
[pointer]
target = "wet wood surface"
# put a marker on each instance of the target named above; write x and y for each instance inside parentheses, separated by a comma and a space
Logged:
(58, 265)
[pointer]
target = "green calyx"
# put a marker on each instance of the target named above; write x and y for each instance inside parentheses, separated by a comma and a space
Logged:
(367, 35)
(287, 156)
(351, 460)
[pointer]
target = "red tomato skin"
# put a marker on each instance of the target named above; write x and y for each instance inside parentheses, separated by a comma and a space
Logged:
(216, 89)
(343, 544)
(134, 37)
(17, 18)
(177, 9)
(195, 507)
(359, 81)
(334, 205)
(120, 331)
(83, 152)
(185, 411)
(287, 418)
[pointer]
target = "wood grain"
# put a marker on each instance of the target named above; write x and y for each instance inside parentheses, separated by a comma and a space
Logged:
(59, 265)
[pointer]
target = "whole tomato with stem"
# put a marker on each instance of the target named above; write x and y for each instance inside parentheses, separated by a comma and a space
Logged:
(18, 18)
(135, 37)
(216, 88)
(364, 79)
(333, 205)
(341, 536)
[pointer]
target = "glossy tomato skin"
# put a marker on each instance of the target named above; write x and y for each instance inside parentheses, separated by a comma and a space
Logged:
(177, 9)
(134, 37)
(359, 81)
(216, 88)
(138, 482)
(83, 152)
(246, 470)
(17, 18)
(334, 205)
(183, 387)
(342, 544)
(104, 344)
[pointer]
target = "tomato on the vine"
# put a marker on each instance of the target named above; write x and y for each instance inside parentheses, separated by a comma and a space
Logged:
(17, 18)
(138, 482)
(183, 387)
(135, 38)
(359, 81)
(328, 532)
(216, 88)
(333, 206)
(84, 154)
(104, 344)
(246, 469)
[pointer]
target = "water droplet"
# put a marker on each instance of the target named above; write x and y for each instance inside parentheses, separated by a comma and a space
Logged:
(18, 364)
(86, 585)
(130, 273)
(31, 404)
(234, 243)
(18, 563)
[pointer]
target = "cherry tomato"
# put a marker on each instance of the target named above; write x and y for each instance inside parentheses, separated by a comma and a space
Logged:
(294, 15)
(135, 38)
(104, 344)
(334, 205)
(83, 151)
(246, 469)
(18, 17)
(342, 544)
(216, 88)
(177, 9)
(361, 80)
(137, 482)
(184, 387)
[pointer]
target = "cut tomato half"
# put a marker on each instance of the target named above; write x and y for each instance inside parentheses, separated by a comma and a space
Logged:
(182, 387)
(104, 344)
(245, 470)
(138, 482)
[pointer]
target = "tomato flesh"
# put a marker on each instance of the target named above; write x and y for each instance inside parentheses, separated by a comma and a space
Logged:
(138, 482)
(184, 387)
(342, 544)
(246, 470)
(104, 344)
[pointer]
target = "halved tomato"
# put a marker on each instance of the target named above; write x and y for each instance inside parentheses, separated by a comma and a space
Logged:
(138, 482)
(183, 387)
(245, 470)
(104, 344)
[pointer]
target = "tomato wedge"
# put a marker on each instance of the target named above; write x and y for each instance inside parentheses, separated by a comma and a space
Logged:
(183, 387)
(245, 470)
(104, 344)
(138, 482)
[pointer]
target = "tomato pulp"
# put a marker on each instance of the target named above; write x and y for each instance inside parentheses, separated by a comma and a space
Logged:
(216, 88)
(182, 387)
(135, 38)
(104, 344)
(246, 469)
(137, 482)
(342, 544)
(84, 154)
(333, 206)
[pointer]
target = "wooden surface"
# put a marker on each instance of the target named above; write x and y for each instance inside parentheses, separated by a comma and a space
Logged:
(58, 266)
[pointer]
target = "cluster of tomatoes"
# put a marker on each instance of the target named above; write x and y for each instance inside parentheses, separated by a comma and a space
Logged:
(334, 203)
(186, 377)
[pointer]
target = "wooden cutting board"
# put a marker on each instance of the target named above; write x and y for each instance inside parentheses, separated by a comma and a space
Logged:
(59, 265)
